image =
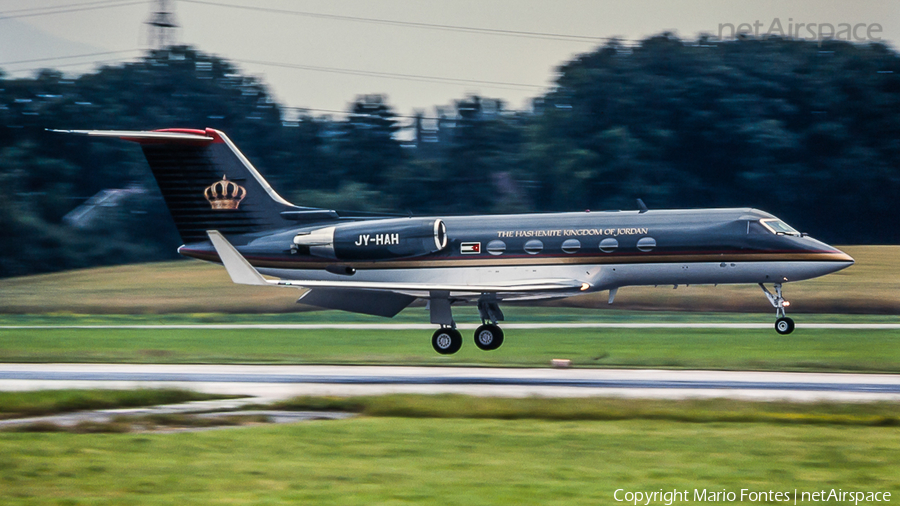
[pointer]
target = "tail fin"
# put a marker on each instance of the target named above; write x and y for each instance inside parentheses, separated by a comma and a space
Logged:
(209, 185)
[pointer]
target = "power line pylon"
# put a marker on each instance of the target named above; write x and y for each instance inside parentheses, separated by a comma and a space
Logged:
(161, 33)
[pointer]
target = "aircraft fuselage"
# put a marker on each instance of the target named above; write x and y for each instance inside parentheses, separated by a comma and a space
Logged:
(603, 249)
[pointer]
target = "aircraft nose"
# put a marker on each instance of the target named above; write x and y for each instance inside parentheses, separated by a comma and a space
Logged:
(826, 259)
(833, 253)
(838, 260)
(845, 258)
(839, 256)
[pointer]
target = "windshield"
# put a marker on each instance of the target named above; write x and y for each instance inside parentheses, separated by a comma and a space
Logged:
(779, 227)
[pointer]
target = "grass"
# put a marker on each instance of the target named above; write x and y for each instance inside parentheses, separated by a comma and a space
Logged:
(881, 414)
(727, 349)
(872, 286)
(884, 414)
(185, 286)
(143, 423)
(47, 402)
(442, 461)
(459, 450)
(419, 315)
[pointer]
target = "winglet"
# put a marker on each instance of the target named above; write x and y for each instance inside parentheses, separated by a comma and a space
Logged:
(238, 267)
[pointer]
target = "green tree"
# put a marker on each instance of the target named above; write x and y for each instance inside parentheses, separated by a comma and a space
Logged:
(366, 144)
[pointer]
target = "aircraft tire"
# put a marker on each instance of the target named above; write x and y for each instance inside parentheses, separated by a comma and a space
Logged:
(488, 337)
(446, 341)
(784, 325)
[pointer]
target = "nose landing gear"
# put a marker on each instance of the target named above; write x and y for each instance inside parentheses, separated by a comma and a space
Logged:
(783, 324)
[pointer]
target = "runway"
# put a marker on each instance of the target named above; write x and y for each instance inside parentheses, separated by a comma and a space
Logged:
(286, 381)
(466, 326)
(470, 326)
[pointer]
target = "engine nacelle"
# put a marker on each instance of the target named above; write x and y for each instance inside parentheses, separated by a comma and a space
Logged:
(376, 240)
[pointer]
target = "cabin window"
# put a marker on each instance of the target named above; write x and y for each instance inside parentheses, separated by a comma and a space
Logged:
(779, 227)
(533, 247)
(608, 245)
(571, 245)
(646, 244)
(496, 247)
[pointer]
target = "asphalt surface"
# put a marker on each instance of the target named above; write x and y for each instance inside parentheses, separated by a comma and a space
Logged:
(470, 326)
(273, 382)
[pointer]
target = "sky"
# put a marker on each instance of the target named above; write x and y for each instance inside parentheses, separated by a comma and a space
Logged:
(321, 54)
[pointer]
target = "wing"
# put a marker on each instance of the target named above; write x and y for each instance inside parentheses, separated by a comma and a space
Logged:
(242, 272)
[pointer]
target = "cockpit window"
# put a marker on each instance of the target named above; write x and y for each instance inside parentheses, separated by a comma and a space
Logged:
(779, 227)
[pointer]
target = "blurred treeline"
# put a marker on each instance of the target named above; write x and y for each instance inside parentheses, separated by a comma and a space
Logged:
(810, 133)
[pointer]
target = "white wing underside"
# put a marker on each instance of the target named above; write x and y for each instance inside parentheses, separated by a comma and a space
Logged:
(242, 272)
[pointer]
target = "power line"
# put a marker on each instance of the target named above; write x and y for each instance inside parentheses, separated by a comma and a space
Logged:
(63, 9)
(366, 73)
(351, 113)
(294, 108)
(55, 7)
(347, 113)
(413, 24)
(390, 75)
(76, 64)
(35, 60)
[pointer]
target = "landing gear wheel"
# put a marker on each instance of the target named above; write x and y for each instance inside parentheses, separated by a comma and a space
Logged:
(784, 325)
(446, 341)
(488, 337)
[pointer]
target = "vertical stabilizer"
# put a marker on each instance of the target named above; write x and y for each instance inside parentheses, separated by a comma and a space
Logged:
(207, 183)
(212, 186)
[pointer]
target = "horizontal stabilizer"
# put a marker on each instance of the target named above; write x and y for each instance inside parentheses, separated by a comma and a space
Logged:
(142, 136)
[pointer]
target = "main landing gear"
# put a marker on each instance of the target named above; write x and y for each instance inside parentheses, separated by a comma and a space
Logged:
(488, 337)
(447, 340)
(783, 324)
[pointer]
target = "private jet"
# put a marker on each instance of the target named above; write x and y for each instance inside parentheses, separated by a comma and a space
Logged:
(227, 213)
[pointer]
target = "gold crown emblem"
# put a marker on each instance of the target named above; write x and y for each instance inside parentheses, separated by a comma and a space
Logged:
(224, 194)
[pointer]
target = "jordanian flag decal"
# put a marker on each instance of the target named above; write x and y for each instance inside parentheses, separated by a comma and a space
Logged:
(470, 248)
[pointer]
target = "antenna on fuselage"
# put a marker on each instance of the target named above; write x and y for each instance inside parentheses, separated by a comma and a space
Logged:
(642, 206)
